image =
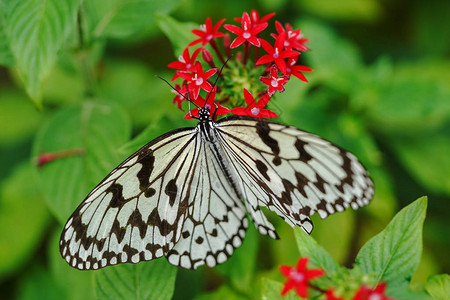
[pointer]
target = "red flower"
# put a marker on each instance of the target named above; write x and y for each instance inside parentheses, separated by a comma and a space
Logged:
(209, 103)
(254, 16)
(294, 38)
(198, 80)
(365, 293)
(274, 82)
(248, 32)
(293, 69)
(179, 96)
(185, 62)
(254, 109)
(207, 32)
(276, 54)
(299, 277)
(330, 295)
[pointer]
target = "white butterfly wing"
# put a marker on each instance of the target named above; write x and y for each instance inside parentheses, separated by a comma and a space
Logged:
(169, 198)
(291, 172)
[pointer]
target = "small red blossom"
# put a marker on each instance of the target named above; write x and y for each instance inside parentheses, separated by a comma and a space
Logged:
(185, 62)
(330, 295)
(210, 104)
(296, 70)
(207, 32)
(179, 98)
(378, 293)
(255, 109)
(274, 82)
(254, 17)
(247, 33)
(276, 54)
(198, 80)
(299, 277)
(294, 38)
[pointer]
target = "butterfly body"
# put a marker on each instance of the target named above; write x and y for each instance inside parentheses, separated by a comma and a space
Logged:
(186, 194)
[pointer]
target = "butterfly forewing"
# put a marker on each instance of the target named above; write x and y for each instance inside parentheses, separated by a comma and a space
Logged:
(135, 213)
(292, 172)
(170, 198)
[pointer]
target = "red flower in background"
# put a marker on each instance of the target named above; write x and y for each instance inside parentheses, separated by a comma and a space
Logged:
(298, 278)
(197, 80)
(274, 82)
(294, 38)
(185, 62)
(207, 32)
(247, 33)
(178, 96)
(208, 103)
(255, 109)
(296, 70)
(254, 17)
(378, 293)
(276, 54)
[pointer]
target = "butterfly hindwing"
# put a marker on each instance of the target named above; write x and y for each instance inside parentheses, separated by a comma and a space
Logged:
(292, 172)
(216, 220)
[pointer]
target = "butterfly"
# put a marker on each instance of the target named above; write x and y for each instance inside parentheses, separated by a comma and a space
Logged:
(186, 194)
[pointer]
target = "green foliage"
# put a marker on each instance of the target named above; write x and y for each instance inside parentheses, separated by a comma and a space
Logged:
(24, 205)
(148, 280)
(391, 256)
(36, 31)
(438, 286)
(379, 89)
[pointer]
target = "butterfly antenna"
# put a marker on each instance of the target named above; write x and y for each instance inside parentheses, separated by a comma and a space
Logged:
(187, 98)
(217, 78)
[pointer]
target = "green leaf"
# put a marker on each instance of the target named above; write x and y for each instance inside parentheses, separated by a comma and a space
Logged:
(23, 218)
(409, 105)
(401, 290)
(98, 130)
(146, 280)
(271, 289)
(124, 19)
(134, 86)
(362, 10)
(318, 256)
(394, 253)
(334, 60)
(36, 31)
(438, 286)
(15, 106)
(426, 158)
(240, 268)
(6, 57)
(179, 33)
(224, 292)
(65, 277)
(37, 284)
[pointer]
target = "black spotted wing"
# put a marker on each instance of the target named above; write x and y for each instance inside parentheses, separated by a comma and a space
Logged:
(291, 172)
(169, 198)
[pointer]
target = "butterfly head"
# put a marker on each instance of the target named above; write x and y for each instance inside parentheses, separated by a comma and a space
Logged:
(204, 114)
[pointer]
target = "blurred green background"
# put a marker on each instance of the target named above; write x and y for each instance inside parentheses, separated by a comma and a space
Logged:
(79, 74)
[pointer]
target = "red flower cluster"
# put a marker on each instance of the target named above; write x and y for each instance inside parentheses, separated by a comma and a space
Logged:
(299, 279)
(273, 69)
